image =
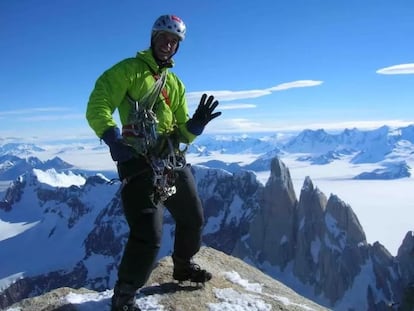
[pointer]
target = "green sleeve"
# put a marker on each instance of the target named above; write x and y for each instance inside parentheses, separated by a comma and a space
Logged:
(110, 89)
(181, 114)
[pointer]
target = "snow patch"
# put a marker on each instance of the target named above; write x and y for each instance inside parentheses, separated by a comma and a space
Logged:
(231, 300)
(315, 249)
(55, 179)
(9, 230)
(235, 278)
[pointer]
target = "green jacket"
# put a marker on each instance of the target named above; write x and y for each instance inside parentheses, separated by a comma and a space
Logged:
(134, 76)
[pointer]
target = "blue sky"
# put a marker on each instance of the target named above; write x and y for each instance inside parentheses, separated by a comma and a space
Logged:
(274, 65)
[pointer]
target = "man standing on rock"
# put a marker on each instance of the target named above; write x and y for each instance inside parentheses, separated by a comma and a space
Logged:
(153, 111)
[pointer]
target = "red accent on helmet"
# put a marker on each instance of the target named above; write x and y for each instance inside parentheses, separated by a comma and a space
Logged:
(176, 18)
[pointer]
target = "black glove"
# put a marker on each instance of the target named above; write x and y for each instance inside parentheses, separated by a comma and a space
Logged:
(203, 115)
(120, 152)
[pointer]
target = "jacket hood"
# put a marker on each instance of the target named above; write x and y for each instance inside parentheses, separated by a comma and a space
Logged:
(148, 58)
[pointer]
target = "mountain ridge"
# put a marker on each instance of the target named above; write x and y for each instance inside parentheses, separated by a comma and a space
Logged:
(388, 148)
(237, 207)
(313, 243)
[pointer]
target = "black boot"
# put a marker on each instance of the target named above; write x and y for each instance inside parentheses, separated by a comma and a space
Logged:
(186, 270)
(124, 298)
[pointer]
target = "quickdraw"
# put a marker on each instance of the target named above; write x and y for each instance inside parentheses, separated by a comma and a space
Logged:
(141, 134)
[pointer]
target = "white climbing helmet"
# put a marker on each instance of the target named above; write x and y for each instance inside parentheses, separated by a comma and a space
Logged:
(170, 23)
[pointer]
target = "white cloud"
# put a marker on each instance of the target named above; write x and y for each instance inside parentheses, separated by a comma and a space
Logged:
(226, 95)
(32, 110)
(397, 69)
(295, 84)
(57, 117)
(234, 125)
(42, 114)
(237, 106)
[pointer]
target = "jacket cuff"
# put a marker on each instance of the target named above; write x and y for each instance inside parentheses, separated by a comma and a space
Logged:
(111, 135)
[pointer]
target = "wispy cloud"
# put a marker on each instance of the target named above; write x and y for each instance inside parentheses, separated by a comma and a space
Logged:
(295, 84)
(57, 117)
(227, 95)
(234, 125)
(237, 106)
(33, 110)
(397, 69)
(41, 114)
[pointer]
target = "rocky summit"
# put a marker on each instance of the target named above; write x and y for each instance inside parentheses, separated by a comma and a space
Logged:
(235, 286)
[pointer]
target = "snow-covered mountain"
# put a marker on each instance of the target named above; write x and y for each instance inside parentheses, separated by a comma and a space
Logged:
(317, 147)
(313, 243)
(234, 144)
(12, 166)
(390, 170)
(74, 236)
(20, 149)
(383, 147)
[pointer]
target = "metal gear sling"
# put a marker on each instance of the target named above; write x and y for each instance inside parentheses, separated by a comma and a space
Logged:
(141, 133)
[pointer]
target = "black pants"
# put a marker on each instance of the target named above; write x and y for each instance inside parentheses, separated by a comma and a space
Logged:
(145, 220)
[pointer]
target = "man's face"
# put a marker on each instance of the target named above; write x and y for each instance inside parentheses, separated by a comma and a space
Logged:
(165, 45)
